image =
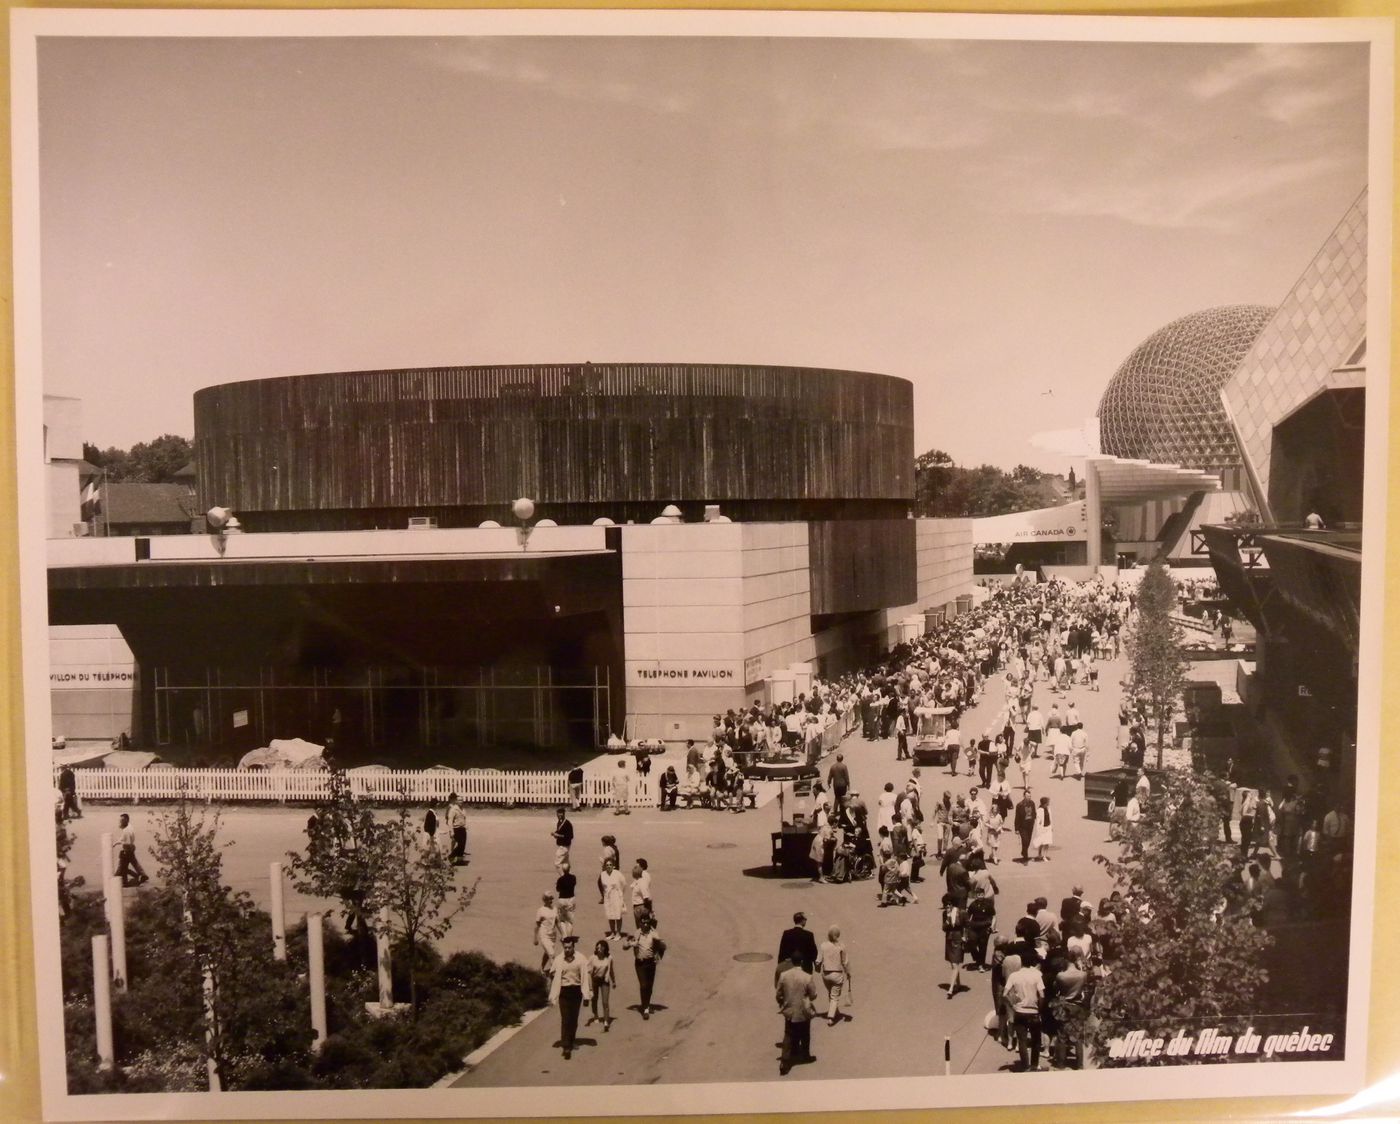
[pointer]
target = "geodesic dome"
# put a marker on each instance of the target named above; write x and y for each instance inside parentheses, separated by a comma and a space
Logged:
(1163, 403)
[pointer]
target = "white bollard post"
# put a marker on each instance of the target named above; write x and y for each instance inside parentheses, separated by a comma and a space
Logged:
(102, 1003)
(116, 918)
(316, 973)
(210, 1065)
(947, 1057)
(382, 943)
(279, 917)
(107, 868)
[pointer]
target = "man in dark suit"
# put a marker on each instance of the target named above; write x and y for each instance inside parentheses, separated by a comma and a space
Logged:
(838, 778)
(798, 946)
(959, 881)
(1070, 907)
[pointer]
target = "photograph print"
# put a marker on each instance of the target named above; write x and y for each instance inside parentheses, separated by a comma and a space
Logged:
(599, 563)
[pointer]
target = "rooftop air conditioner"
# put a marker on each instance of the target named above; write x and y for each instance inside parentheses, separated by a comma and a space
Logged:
(423, 523)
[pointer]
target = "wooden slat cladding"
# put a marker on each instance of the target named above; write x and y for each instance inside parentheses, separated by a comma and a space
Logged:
(862, 564)
(567, 435)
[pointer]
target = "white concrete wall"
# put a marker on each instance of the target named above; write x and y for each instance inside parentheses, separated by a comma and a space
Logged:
(63, 498)
(92, 681)
(63, 449)
(445, 542)
(99, 551)
(943, 550)
(683, 626)
(709, 609)
(63, 428)
(777, 595)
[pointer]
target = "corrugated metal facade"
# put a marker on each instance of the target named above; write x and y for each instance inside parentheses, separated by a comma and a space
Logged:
(367, 448)
(862, 565)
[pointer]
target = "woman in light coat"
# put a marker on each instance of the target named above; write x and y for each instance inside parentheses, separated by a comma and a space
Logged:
(1044, 835)
(614, 898)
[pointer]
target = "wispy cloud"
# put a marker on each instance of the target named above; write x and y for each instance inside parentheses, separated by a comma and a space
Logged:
(484, 59)
(890, 133)
(1081, 441)
(1251, 65)
(1292, 105)
(1206, 197)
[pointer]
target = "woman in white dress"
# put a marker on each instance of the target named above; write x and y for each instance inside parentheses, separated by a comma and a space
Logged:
(614, 895)
(1044, 835)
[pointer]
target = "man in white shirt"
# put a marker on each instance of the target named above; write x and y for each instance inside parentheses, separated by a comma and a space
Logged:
(640, 892)
(457, 828)
(1249, 807)
(1079, 749)
(901, 734)
(1133, 812)
(793, 723)
(128, 865)
(952, 744)
(1336, 831)
(1024, 993)
(1058, 742)
(1072, 719)
(1035, 729)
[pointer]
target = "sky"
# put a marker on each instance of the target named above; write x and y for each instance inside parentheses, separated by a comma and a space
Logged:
(990, 220)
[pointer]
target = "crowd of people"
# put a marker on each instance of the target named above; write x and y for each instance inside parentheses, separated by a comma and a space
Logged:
(1046, 639)
(575, 977)
(1035, 649)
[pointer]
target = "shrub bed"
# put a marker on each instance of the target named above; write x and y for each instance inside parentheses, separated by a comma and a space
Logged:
(158, 1022)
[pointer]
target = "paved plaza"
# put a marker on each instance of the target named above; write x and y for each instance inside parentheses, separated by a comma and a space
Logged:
(719, 903)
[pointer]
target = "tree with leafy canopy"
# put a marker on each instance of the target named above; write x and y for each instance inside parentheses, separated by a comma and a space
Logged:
(414, 895)
(219, 945)
(945, 489)
(1157, 667)
(1189, 955)
(345, 847)
(147, 462)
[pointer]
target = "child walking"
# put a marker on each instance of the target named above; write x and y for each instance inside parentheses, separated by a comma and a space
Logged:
(604, 980)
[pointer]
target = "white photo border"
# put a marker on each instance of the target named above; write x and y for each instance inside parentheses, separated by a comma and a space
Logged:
(28, 26)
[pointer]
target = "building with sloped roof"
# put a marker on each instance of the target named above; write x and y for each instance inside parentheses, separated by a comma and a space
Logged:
(137, 508)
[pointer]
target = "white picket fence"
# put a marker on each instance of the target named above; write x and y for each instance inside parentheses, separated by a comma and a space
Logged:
(476, 786)
(473, 786)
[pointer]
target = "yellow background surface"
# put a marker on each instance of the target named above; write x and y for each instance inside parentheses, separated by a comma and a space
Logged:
(19, 1057)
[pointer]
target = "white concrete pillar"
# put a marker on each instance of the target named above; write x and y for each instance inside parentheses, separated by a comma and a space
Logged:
(316, 974)
(102, 1002)
(211, 1068)
(116, 919)
(279, 917)
(1093, 502)
(108, 867)
(384, 958)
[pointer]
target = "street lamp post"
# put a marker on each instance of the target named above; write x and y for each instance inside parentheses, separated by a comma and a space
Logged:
(524, 510)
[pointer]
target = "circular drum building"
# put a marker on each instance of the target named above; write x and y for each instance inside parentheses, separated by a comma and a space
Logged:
(1163, 403)
(372, 449)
